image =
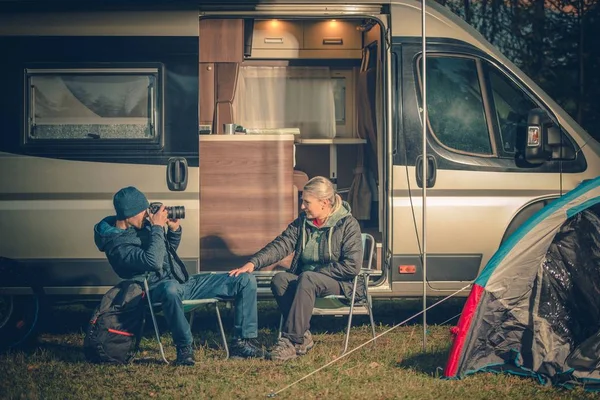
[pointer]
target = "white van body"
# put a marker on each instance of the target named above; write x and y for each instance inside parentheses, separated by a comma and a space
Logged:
(53, 191)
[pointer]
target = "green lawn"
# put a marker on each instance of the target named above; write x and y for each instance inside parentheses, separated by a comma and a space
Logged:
(396, 367)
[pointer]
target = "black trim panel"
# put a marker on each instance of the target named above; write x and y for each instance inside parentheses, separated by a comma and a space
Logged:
(431, 40)
(440, 267)
(104, 5)
(523, 216)
(65, 272)
(177, 56)
(91, 196)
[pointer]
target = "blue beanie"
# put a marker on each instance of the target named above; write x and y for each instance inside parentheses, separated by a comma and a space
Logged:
(128, 202)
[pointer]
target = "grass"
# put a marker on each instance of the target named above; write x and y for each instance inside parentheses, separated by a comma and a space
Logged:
(394, 368)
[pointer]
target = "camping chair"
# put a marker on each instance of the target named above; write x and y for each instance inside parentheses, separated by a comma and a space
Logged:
(188, 306)
(337, 305)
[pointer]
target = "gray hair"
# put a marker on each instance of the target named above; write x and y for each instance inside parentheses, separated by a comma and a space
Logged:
(322, 189)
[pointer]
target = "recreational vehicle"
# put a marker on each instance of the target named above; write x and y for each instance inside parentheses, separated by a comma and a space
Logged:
(228, 108)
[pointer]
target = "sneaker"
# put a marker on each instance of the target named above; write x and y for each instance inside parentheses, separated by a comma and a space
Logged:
(284, 350)
(302, 349)
(185, 356)
(244, 348)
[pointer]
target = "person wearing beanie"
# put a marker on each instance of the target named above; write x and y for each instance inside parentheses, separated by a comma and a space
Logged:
(137, 242)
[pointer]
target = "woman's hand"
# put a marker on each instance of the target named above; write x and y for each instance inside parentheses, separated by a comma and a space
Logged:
(248, 267)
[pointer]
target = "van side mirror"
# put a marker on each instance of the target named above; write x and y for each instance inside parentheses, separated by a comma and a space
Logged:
(543, 140)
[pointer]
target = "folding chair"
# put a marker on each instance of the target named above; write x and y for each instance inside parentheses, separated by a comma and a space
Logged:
(188, 306)
(335, 305)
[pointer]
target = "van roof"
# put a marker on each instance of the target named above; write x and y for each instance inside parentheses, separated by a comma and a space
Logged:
(441, 23)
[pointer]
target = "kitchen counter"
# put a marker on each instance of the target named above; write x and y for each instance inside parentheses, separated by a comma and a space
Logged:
(245, 138)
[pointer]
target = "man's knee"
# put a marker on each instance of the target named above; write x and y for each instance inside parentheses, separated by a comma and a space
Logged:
(170, 291)
(279, 284)
(247, 281)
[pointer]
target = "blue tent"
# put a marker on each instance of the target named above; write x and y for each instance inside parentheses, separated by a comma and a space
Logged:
(535, 308)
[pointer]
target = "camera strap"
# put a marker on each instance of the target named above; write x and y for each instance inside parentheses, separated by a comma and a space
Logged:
(173, 256)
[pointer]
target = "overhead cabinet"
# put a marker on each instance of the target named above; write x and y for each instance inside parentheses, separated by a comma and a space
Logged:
(277, 35)
(332, 35)
(306, 39)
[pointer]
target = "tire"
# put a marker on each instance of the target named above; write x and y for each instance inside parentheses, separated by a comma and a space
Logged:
(19, 318)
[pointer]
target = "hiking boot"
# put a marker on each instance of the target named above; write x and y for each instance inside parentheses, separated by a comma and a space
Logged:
(185, 356)
(302, 349)
(244, 348)
(284, 350)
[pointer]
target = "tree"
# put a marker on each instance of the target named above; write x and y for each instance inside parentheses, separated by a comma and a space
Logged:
(547, 39)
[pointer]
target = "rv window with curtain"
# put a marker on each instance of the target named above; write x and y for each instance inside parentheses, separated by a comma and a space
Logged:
(455, 105)
(289, 97)
(92, 104)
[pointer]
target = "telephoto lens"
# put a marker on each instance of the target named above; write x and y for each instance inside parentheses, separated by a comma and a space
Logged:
(176, 212)
(173, 212)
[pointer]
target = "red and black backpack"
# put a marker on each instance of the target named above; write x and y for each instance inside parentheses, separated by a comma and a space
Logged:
(115, 329)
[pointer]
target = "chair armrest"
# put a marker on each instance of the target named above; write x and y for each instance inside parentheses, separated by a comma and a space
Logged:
(366, 271)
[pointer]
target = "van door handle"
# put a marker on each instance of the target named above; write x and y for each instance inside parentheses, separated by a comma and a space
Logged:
(431, 170)
(177, 173)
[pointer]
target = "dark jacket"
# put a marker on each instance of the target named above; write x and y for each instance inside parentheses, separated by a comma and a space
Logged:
(340, 249)
(132, 252)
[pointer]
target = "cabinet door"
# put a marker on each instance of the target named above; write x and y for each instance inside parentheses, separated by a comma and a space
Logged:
(331, 35)
(221, 40)
(277, 35)
(207, 93)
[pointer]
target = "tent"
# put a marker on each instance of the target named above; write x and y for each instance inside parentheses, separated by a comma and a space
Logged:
(534, 310)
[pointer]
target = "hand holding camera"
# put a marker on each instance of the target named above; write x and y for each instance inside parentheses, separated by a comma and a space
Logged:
(159, 214)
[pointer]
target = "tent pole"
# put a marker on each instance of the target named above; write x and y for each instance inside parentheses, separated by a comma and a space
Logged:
(425, 162)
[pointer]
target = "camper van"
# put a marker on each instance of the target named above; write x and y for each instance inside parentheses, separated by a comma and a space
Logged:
(228, 108)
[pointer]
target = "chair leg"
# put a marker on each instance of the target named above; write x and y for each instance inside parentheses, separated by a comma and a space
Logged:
(352, 299)
(370, 308)
(348, 331)
(222, 331)
(160, 346)
(280, 326)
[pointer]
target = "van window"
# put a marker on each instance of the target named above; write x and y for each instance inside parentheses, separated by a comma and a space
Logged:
(86, 104)
(455, 105)
(512, 106)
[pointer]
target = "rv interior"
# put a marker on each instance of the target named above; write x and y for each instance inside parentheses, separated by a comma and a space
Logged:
(307, 94)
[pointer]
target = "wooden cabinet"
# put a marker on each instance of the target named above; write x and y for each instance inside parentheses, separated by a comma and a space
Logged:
(207, 94)
(221, 40)
(247, 196)
(331, 35)
(276, 34)
(221, 52)
(281, 39)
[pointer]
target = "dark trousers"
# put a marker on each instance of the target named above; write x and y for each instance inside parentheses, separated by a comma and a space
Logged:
(203, 286)
(295, 295)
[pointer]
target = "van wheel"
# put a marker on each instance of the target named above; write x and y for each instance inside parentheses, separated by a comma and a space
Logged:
(19, 316)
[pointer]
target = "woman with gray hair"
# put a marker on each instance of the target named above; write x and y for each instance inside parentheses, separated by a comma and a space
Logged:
(327, 242)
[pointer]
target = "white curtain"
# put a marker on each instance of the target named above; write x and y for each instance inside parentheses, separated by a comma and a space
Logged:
(286, 97)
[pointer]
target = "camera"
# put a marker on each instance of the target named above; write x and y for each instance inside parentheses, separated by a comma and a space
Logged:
(173, 212)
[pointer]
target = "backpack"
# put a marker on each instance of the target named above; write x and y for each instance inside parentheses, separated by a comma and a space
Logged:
(115, 329)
